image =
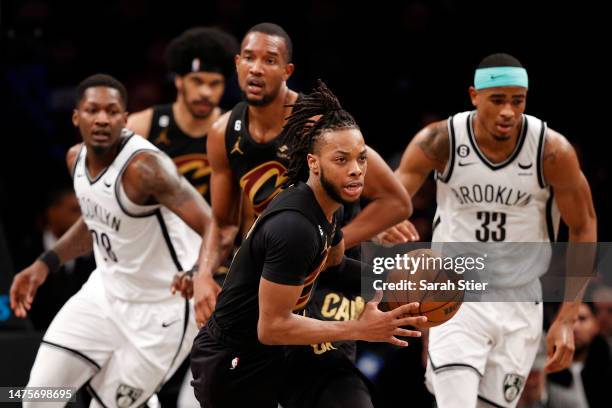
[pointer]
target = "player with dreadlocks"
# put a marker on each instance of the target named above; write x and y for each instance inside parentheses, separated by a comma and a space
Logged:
(237, 359)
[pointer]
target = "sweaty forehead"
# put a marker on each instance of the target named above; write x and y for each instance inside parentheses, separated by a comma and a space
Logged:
(264, 43)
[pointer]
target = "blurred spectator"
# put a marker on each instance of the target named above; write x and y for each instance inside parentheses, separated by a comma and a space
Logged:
(586, 383)
(602, 297)
(61, 212)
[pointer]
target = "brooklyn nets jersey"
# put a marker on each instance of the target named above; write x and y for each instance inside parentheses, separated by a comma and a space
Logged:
(137, 248)
(481, 201)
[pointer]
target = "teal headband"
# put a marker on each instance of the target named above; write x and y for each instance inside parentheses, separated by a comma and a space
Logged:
(500, 76)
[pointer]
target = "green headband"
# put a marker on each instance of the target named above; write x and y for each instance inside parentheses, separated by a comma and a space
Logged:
(500, 76)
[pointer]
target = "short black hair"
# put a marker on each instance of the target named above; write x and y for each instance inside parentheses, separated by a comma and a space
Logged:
(499, 60)
(101, 80)
(274, 29)
(301, 131)
(213, 49)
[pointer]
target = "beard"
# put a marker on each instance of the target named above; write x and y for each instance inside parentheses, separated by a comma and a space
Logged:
(265, 100)
(332, 191)
(500, 138)
(198, 115)
(100, 150)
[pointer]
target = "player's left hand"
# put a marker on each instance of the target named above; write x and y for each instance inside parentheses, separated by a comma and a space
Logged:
(559, 346)
(183, 283)
(400, 233)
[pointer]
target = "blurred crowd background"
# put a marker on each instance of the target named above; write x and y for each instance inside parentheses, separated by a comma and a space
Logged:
(396, 65)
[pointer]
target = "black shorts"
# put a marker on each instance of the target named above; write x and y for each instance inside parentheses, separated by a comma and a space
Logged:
(327, 380)
(229, 376)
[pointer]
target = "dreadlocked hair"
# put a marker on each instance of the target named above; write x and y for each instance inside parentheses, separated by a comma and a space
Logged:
(312, 115)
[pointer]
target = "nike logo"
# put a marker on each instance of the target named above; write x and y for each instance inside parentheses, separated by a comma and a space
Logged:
(525, 166)
(462, 164)
(496, 76)
(79, 174)
(164, 324)
(107, 184)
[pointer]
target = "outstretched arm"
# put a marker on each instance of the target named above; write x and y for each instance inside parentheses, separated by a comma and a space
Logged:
(74, 243)
(573, 196)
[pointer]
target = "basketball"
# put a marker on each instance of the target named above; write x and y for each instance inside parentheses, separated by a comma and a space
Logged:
(434, 287)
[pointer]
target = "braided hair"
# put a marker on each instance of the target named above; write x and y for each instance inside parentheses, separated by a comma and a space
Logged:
(302, 131)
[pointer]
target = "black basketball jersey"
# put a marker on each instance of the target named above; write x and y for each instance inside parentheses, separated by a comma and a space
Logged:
(188, 153)
(237, 310)
(259, 167)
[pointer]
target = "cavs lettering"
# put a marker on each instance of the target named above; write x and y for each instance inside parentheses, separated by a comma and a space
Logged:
(338, 307)
(196, 168)
(263, 183)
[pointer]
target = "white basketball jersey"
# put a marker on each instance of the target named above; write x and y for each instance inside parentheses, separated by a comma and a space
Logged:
(481, 201)
(138, 249)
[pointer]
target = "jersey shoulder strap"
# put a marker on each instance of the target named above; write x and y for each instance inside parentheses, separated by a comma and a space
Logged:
(235, 127)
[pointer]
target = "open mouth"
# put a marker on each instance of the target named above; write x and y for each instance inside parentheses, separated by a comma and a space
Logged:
(255, 86)
(101, 135)
(503, 127)
(353, 189)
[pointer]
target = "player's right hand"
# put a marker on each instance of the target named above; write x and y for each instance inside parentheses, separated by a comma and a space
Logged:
(24, 287)
(205, 292)
(379, 326)
(400, 233)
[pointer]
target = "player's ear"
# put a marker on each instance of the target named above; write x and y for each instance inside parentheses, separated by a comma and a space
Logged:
(237, 60)
(473, 95)
(75, 118)
(178, 82)
(289, 68)
(313, 163)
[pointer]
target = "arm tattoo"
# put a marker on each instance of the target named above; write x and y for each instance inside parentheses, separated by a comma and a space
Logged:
(160, 177)
(435, 144)
(551, 156)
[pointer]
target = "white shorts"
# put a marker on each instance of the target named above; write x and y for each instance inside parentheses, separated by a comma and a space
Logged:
(131, 348)
(496, 340)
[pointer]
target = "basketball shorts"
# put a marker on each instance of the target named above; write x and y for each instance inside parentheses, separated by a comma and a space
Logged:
(497, 341)
(227, 374)
(130, 348)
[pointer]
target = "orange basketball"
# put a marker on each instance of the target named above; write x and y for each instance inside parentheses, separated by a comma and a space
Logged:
(434, 287)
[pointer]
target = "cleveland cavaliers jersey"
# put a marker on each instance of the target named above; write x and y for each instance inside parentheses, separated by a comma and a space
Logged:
(481, 201)
(259, 168)
(138, 248)
(188, 153)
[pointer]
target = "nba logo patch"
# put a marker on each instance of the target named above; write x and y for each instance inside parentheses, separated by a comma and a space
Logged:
(195, 65)
(235, 362)
(164, 121)
(513, 384)
(237, 125)
(127, 395)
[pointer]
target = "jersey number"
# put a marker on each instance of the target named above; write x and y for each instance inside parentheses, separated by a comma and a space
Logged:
(493, 226)
(106, 244)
